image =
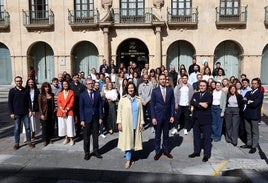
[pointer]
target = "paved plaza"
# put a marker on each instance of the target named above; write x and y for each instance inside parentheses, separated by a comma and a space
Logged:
(64, 163)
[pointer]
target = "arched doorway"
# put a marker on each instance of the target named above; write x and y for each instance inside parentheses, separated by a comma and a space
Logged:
(228, 54)
(180, 52)
(132, 49)
(5, 65)
(85, 56)
(264, 66)
(41, 57)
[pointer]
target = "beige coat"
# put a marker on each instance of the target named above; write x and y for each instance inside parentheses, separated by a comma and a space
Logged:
(124, 116)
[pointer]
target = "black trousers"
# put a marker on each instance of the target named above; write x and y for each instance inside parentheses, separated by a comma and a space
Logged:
(91, 128)
(47, 129)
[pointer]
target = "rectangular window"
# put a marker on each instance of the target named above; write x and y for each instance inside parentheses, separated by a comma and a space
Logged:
(181, 7)
(132, 8)
(2, 14)
(229, 7)
(39, 8)
(84, 8)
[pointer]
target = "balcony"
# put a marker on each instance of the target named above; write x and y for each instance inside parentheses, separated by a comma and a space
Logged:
(83, 18)
(266, 17)
(231, 17)
(132, 17)
(40, 19)
(182, 18)
(4, 20)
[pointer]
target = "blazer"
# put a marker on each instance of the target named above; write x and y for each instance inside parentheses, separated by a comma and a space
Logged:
(239, 99)
(64, 104)
(253, 110)
(42, 100)
(89, 109)
(202, 115)
(35, 105)
(161, 110)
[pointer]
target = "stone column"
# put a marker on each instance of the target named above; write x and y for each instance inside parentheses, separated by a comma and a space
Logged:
(106, 44)
(158, 47)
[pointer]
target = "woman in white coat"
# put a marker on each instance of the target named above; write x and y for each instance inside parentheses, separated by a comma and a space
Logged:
(130, 123)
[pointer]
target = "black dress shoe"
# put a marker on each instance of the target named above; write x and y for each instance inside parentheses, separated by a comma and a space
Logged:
(97, 155)
(167, 154)
(193, 155)
(252, 150)
(205, 159)
(87, 157)
(245, 147)
(157, 156)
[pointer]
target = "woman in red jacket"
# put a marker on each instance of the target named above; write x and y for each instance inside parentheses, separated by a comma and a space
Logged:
(65, 113)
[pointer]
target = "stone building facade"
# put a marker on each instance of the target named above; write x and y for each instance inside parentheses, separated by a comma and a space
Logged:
(75, 35)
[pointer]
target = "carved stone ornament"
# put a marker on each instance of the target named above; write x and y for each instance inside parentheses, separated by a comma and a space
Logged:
(159, 3)
(107, 3)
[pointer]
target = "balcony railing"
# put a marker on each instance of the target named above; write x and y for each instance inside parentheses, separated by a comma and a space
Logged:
(38, 19)
(231, 16)
(4, 19)
(182, 17)
(132, 16)
(266, 16)
(83, 18)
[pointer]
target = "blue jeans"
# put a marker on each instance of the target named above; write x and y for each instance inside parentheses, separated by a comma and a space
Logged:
(128, 154)
(217, 122)
(17, 123)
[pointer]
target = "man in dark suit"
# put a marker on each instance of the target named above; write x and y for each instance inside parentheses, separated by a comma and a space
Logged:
(91, 116)
(202, 119)
(162, 114)
(252, 115)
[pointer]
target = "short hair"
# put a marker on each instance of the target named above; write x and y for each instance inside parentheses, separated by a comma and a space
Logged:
(17, 77)
(54, 79)
(184, 75)
(245, 79)
(218, 63)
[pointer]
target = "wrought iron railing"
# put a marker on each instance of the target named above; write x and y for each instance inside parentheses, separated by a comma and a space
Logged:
(38, 17)
(4, 18)
(76, 17)
(132, 16)
(231, 14)
(182, 15)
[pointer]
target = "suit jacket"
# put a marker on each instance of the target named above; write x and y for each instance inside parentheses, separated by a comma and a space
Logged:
(64, 104)
(253, 110)
(89, 109)
(202, 115)
(159, 109)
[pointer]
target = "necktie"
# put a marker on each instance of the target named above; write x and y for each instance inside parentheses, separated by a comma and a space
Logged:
(164, 94)
(91, 96)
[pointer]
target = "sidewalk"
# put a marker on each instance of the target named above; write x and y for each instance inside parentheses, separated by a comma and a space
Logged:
(64, 163)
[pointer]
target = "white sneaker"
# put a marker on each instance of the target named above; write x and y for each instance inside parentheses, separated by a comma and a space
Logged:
(72, 142)
(103, 136)
(174, 131)
(185, 132)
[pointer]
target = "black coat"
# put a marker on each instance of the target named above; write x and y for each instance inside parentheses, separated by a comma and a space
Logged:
(202, 115)
(253, 110)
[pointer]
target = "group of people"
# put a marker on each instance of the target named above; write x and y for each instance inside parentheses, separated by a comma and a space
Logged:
(125, 99)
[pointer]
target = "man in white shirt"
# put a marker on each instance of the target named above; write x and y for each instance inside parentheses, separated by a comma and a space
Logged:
(192, 76)
(183, 94)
